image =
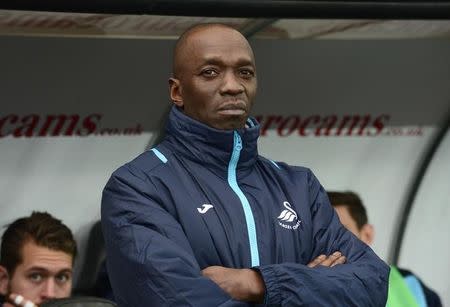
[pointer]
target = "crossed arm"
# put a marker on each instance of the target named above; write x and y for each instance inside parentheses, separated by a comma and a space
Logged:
(161, 268)
(248, 285)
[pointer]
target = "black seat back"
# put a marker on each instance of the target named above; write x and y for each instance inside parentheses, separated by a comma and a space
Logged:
(94, 259)
(81, 301)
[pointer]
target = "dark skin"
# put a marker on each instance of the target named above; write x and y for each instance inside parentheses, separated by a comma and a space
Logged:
(215, 77)
(248, 285)
(215, 83)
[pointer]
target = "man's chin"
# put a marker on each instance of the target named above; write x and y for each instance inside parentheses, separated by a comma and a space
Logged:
(231, 123)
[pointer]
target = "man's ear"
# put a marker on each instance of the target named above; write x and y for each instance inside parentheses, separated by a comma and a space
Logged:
(367, 234)
(4, 280)
(175, 92)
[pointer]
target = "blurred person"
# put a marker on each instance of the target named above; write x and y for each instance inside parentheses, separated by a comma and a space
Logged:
(405, 288)
(36, 260)
(203, 220)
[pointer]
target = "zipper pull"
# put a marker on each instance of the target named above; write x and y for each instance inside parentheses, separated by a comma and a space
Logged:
(237, 141)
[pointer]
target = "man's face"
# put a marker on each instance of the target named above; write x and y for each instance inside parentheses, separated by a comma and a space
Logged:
(217, 81)
(365, 233)
(347, 220)
(43, 274)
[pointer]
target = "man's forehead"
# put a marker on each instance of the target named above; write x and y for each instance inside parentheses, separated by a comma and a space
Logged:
(49, 269)
(207, 42)
(41, 256)
(212, 30)
(213, 47)
(221, 60)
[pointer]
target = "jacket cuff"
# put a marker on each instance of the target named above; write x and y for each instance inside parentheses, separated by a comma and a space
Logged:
(272, 295)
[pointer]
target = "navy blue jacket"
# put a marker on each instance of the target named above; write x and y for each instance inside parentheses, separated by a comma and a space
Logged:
(205, 197)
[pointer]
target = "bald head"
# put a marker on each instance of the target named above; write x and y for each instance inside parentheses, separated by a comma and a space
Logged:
(214, 76)
(183, 48)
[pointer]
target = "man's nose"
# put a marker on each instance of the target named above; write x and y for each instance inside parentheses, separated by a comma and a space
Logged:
(48, 290)
(231, 84)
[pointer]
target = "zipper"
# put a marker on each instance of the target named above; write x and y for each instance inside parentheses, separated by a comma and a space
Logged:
(249, 219)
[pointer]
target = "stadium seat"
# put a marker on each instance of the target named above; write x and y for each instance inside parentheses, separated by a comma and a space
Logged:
(94, 259)
(81, 301)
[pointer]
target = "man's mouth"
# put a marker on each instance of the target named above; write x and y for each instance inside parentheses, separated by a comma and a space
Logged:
(233, 108)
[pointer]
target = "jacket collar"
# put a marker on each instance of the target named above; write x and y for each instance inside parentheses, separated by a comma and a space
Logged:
(209, 146)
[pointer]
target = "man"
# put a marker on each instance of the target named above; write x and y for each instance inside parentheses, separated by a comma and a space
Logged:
(203, 220)
(36, 260)
(405, 289)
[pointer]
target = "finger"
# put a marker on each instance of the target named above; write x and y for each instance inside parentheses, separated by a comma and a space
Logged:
(29, 303)
(206, 273)
(212, 270)
(330, 259)
(20, 301)
(340, 260)
(318, 260)
(16, 299)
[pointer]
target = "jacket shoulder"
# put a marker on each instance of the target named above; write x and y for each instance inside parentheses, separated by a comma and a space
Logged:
(299, 176)
(285, 167)
(143, 165)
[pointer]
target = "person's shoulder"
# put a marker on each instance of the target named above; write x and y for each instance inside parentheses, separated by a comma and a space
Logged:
(404, 272)
(286, 168)
(143, 165)
(431, 296)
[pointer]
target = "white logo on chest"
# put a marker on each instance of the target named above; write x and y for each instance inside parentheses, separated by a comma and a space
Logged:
(205, 208)
(288, 218)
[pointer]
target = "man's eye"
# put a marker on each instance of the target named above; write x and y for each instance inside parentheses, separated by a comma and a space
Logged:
(246, 73)
(62, 278)
(209, 72)
(35, 277)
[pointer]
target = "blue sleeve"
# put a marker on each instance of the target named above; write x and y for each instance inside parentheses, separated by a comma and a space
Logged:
(150, 261)
(362, 281)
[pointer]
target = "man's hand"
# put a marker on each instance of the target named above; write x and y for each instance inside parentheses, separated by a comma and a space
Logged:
(16, 300)
(330, 261)
(241, 284)
(247, 285)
